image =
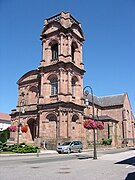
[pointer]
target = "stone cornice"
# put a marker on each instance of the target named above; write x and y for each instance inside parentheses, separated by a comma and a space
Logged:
(61, 64)
(67, 105)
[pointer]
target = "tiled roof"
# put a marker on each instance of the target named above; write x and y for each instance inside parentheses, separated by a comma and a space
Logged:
(105, 118)
(5, 117)
(105, 101)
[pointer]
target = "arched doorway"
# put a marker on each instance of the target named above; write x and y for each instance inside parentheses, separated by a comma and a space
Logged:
(32, 126)
(52, 125)
(75, 126)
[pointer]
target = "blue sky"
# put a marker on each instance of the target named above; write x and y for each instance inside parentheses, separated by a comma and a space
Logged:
(108, 50)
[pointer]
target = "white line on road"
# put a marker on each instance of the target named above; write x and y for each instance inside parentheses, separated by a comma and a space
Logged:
(132, 165)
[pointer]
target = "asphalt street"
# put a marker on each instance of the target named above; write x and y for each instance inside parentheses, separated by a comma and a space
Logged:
(110, 165)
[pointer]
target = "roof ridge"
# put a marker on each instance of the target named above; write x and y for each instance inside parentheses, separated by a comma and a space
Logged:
(111, 95)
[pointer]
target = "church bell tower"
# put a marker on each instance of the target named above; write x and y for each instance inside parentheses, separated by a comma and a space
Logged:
(52, 94)
(61, 87)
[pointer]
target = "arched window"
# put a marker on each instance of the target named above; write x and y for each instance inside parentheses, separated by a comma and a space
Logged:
(75, 118)
(73, 123)
(73, 48)
(51, 131)
(51, 117)
(33, 93)
(32, 126)
(54, 50)
(73, 53)
(54, 87)
(73, 87)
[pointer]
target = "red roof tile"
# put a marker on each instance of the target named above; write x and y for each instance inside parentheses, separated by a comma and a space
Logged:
(5, 117)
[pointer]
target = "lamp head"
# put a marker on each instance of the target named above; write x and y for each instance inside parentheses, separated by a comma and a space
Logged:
(86, 92)
(23, 110)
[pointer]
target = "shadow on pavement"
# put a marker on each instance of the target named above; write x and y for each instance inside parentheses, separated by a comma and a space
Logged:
(130, 176)
(81, 157)
(130, 161)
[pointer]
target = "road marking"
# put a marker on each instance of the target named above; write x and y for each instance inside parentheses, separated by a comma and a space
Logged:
(130, 165)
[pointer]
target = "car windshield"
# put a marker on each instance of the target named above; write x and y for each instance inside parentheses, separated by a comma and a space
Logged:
(66, 143)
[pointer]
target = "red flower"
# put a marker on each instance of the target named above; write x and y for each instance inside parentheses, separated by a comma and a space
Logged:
(12, 128)
(89, 124)
(100, 125)
(24, 128)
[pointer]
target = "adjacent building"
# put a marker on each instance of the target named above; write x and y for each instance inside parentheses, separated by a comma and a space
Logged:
(5, 121)
(116, 113)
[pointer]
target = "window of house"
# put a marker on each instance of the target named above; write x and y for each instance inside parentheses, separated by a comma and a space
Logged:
(54, 87)
(73, 87)
(54, 49)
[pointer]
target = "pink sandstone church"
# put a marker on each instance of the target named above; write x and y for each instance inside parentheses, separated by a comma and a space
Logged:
(51, 100)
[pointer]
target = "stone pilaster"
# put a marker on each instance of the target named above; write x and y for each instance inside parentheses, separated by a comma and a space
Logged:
(69, 124)
(69, 81)
(69, 47)
(41, 97)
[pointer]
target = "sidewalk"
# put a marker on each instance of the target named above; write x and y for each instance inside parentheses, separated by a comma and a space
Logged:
(42, 152)
(51, 152)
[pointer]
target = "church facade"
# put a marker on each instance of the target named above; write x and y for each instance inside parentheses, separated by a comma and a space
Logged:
(50, 98)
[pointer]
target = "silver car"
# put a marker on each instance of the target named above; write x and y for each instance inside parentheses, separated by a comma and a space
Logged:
(71, 146)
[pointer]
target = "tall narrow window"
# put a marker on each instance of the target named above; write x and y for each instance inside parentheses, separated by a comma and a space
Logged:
(54, 87)
(123, 133)
(54, 49)
(73, 87)
(73, 53)
(108, 131)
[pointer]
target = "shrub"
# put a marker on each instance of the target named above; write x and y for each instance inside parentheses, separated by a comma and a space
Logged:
(106, 141)
(22, 148)
(4, 135)
(3, 146)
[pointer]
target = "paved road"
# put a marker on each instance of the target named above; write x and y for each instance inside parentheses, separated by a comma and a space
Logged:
(76, 166)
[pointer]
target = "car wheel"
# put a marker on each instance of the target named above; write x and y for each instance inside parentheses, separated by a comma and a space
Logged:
(80, 150)
(59, 152)
(69, 151)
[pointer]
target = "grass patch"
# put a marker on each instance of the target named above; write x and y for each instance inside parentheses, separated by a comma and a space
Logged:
(6, 152)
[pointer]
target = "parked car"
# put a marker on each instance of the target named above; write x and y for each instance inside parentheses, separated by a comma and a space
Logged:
(71, 146)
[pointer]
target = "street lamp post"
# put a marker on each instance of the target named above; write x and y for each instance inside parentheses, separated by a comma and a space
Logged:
(86, 93)
(19, 122)
(18, 130)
